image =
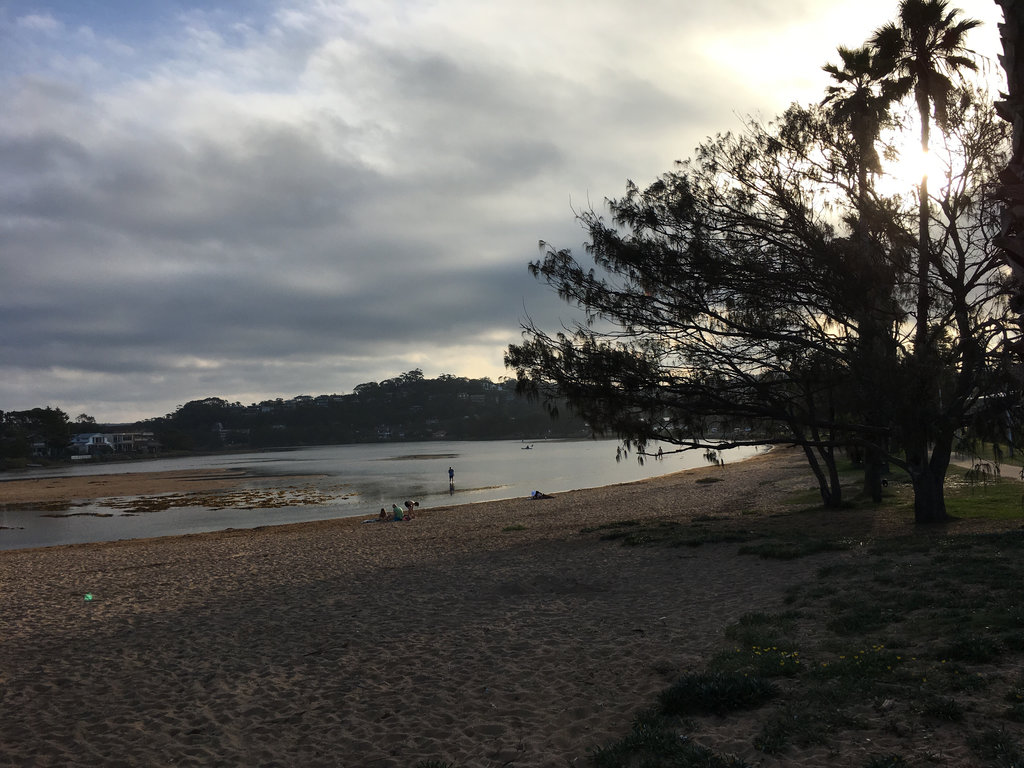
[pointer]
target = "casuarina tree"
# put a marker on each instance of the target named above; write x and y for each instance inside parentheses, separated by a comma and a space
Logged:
(762, 293)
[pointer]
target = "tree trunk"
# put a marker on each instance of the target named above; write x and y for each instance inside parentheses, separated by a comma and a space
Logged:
(828, 476)
(928, 476)
(873, 474)
(929, 500)
(923, 245)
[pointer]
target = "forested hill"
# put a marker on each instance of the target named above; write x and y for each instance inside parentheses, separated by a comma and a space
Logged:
(409, 407)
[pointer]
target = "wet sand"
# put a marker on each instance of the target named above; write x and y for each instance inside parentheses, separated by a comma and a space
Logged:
(45, 490)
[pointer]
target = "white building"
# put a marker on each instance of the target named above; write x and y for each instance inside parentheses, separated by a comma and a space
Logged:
(92, 443)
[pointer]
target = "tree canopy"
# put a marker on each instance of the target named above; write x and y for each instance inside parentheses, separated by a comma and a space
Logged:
(766, 292)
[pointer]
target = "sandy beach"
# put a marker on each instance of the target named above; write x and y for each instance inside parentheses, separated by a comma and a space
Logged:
(494, 634)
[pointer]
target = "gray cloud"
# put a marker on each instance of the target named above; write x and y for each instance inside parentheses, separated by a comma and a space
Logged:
(305, 198)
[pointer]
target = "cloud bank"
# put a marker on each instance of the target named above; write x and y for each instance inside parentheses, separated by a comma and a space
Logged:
(299, 197)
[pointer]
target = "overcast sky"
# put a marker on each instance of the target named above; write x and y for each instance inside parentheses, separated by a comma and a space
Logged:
(261, 198)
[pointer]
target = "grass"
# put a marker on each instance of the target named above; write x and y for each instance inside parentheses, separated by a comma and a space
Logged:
(654, 742)
(669, 533)
(792, 547)
(993, 500)
(908, 636)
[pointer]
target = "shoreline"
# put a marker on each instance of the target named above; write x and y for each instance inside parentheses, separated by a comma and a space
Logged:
(483, 634)
(174, 495)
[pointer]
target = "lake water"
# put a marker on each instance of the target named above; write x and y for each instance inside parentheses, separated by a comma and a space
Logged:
(356, 480)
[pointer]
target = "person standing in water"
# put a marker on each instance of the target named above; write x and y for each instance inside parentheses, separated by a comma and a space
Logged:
(451, 479)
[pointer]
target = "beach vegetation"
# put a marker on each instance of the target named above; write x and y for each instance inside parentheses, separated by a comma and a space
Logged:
(886, 761)
(655, 741)
(765, 661)
(716, 693)
(911, 634)
(669, 533)
(793, 547)
(1015, 699)
(763, 629)
(698, 533)
(943, 708)
(999, 747)
(782, 287)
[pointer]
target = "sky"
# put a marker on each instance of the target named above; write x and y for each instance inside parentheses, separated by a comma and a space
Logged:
(269, 198)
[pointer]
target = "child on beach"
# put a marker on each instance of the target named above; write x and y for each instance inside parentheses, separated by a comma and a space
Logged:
(408, 508)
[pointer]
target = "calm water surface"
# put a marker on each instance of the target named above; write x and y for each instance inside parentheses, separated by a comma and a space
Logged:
(357, 480)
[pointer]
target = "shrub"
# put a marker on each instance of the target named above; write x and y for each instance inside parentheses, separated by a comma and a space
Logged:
(763, 661)
(998, 747)
(943, 708)
(975, 648)
(716, 693)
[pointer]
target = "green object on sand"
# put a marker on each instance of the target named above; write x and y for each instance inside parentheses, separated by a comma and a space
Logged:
(88, 596)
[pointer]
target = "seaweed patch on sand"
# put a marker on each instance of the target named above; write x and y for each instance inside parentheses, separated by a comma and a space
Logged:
(291, 496)
(421, 456)
(80, 514)
(60, 505)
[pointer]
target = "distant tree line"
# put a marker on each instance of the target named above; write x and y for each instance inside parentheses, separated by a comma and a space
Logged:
(409, 407)
(38, 432)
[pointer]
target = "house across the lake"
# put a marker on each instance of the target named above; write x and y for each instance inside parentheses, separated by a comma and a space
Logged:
(99, 443)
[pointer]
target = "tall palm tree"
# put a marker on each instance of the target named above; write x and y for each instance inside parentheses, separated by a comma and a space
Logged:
(922, 51)
(858, 104)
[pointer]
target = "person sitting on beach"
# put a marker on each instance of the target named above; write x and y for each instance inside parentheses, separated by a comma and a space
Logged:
(383, 516)
(408, 508)
(539, 495)
(397, 510)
